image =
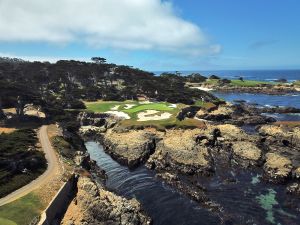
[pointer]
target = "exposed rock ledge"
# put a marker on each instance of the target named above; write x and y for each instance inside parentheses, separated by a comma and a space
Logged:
(95, 205)
(131, 147)
(277, 168)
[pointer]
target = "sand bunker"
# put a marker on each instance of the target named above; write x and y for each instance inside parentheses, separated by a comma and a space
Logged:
(116, 107)
(173, 106)
(35, 113)
(119, 114)
(203, 88)
(145, 102)
(129, 106)
(152, 115)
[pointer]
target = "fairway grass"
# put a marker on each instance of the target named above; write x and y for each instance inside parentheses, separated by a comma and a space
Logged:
(239, 83)
(103, 106)
(21, 211)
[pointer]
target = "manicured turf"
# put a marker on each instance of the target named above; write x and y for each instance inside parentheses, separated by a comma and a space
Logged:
(249, 83)
(239, 83)
(297, 83)
(102, 106)
(21, 211)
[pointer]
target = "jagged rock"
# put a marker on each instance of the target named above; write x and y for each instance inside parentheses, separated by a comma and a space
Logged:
(82, 159)
(287, 135)
(188, 112)
(179, 151)
(130, 148)
(232, 133)
(277, 168)
(97, 119)
(95, 205)
(293, 189)
(91, 131)
(246, 152)
(297, 173)
(220, 114)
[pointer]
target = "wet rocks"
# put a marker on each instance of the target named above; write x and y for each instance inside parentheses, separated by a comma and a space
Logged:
(179, 151)
(130, 148)
(219, 114)
(188, 112)
(293, 189)
(246, 153)
(277, 168)
(91, 131)
(288, 135)
(103, 120)
(95, 205)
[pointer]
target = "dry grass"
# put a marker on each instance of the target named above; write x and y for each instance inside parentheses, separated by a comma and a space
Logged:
(6, 130)
(291, 124)
(10, 110)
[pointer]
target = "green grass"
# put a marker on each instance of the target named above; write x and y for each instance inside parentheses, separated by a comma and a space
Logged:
(103, 106)
(153, 106)
(239, 83)
(297, 83)
(21, 211)
(212, 81)
(249, 83)
(132, 123)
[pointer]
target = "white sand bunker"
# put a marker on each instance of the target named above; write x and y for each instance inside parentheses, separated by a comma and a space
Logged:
(203, 88)
(173, 106)
(116, 107)
(119, 114)
(129, 106)
(145, 102)
(152, 115)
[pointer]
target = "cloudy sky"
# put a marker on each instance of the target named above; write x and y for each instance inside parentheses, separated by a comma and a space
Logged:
(155, 34)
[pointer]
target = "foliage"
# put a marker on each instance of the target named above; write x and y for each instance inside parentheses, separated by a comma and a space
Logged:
(20, 161)
(64, 84)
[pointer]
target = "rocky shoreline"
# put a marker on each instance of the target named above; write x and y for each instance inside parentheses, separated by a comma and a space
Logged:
(262, 89)
(181, 156)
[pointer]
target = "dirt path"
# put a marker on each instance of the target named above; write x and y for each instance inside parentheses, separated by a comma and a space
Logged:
(53, 167)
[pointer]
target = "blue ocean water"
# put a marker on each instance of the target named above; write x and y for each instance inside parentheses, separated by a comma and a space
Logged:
(262, 75)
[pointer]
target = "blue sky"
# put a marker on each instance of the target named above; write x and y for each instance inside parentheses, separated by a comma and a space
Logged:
(156, 35)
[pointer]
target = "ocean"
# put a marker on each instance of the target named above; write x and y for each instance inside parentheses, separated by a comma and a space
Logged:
(262, 75)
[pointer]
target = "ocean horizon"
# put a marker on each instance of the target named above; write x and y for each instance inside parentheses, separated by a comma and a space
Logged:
(261, 75)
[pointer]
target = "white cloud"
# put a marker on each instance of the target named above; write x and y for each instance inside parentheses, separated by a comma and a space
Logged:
(118, 24)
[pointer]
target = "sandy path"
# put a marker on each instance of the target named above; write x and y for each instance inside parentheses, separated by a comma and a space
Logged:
(53, 167)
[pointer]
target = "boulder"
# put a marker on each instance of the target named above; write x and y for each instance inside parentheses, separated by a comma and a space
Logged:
(95, 205)
(180, 152)
(130, 148)
(277, 168)
(246, 152)
(219, 114)
(293, 189)
(287, 135)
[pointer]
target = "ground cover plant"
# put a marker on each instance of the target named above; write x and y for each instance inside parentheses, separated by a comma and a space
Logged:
(20, 161)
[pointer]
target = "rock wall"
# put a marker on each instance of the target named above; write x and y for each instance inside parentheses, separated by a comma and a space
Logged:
(58, 206)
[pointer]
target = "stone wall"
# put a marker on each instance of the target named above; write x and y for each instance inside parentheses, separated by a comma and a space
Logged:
(59, 204)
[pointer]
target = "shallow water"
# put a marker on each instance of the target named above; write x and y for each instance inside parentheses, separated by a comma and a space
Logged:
(290, 100)
(162, 203)
(247, 200)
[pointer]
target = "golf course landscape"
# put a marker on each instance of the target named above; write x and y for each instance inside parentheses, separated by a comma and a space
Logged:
(137, 114)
